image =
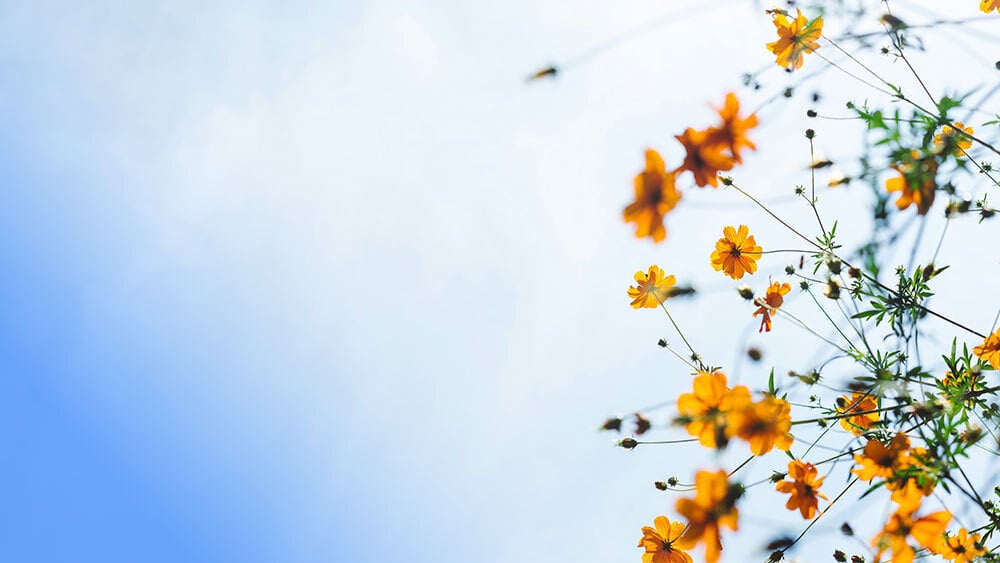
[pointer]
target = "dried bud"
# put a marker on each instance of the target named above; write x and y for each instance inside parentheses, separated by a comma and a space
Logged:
(660, 485)
(776, 555)
(790, 269)
(745, 292)
(673, 481)
(628, 443)
(642, 424)
(811, 113)
(661, 343)
(549, 71)
(846, 529)
(972, 435)
(754, 353)
(612, 424)
(777, 476)
(854, 272)
(810, 134)
(834, 264)
(726, 180)
(839, 556)
(832, 289)
(857, 559)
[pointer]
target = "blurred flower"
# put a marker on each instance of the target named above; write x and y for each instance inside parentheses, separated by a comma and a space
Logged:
(989, 5)
(703, 411)
(703, 157)
(915, 184)
(953, 141)
(653, 289)
(736, 253)
(989, 350)
(962, 547)
(877, 460)
(664, 543)
(764, 424)
(927, 530)
(804, 488)
(642, 424)
(795, 37)
(771, 302)
(612, 424)
(732, 134)
(910, 488)
(858, 402)
(714, 505)
(655, 196)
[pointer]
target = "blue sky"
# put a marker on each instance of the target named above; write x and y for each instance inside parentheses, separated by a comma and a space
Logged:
(329, 282)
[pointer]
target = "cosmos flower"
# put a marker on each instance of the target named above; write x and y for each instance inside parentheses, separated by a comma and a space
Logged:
(771, 302)
(732, 133)
(916, 183)
(804, 488)
(713, 506)
(989, 5)
(765, 424)
(989, 350)
(655, 195)
(704, 156)
(663, 543)
(703, 411)
(653, 289)
(962, 547)
(877, 460)
(927, 530)
(951, 139)
(796, 37)
(736, 253)
(858, 402)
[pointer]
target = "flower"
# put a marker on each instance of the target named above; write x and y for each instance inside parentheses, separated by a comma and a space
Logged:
(764, 424)
(795, 37)
(736, 253)
(804, 488)
(653, 289)
(858, 402)
(877, 460)
(951, 140)
(989, 350)
(703, 411)
(771, 302)
(714, 505)
(916, 182)
(703, 156)
(989, 5)
(962, 547)
(961, 389)
(732, 133)
(927, 530)
(664, 542)
(655, 196)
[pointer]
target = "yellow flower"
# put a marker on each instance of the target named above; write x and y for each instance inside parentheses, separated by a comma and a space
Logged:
(858, 402)
(714, 505)
(771, 302)
(732, 134)
(795, 37)
(765, 424)
(952, 140)
(664, 543)
(655, 195)
(804, 488)
(703, 157)
(989, 5)
(916, 183)
(877, 460)
(703, 411)
(927, 530)
(962, 547)
(989, 350)
(736, 253)
(653, 289)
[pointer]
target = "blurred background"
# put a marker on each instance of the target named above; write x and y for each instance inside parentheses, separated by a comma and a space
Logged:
(314, 281)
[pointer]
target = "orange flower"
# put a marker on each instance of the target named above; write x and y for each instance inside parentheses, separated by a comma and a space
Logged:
(881, 461)
(655, 196)
(962, 548)
(961, 388)
(989, 5)
(765, 424)
(804, 488)
(714, 505)
(795, 37)
(653, 289)
(950, 139)
(909, 491)
(664, 542)
(858, 402)
(736, 253)
(989, 350)
(916, 184)
(732, 134)
(703, 157)
(771, 302)
(703, 412)
(927, 530)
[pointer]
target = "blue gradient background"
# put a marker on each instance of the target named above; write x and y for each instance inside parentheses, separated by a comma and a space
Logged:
(327, 282)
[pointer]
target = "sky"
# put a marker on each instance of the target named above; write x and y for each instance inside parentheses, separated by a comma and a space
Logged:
(330, 282)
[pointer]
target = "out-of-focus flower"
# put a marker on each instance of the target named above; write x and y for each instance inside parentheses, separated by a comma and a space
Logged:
(765, 424)
(713, 506)
(916, 182)
(704, 157)
(642, 424)
(732, 133)
(877, 460)
(989, 5)
(858, 402)
(653, 289)
(736, 253)
(663, 543)
(771, 302)
(927, 530)
(804, 488)
(951, 140)
(703, 412)
(655, 195)
(989, 350)
(796, 36)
